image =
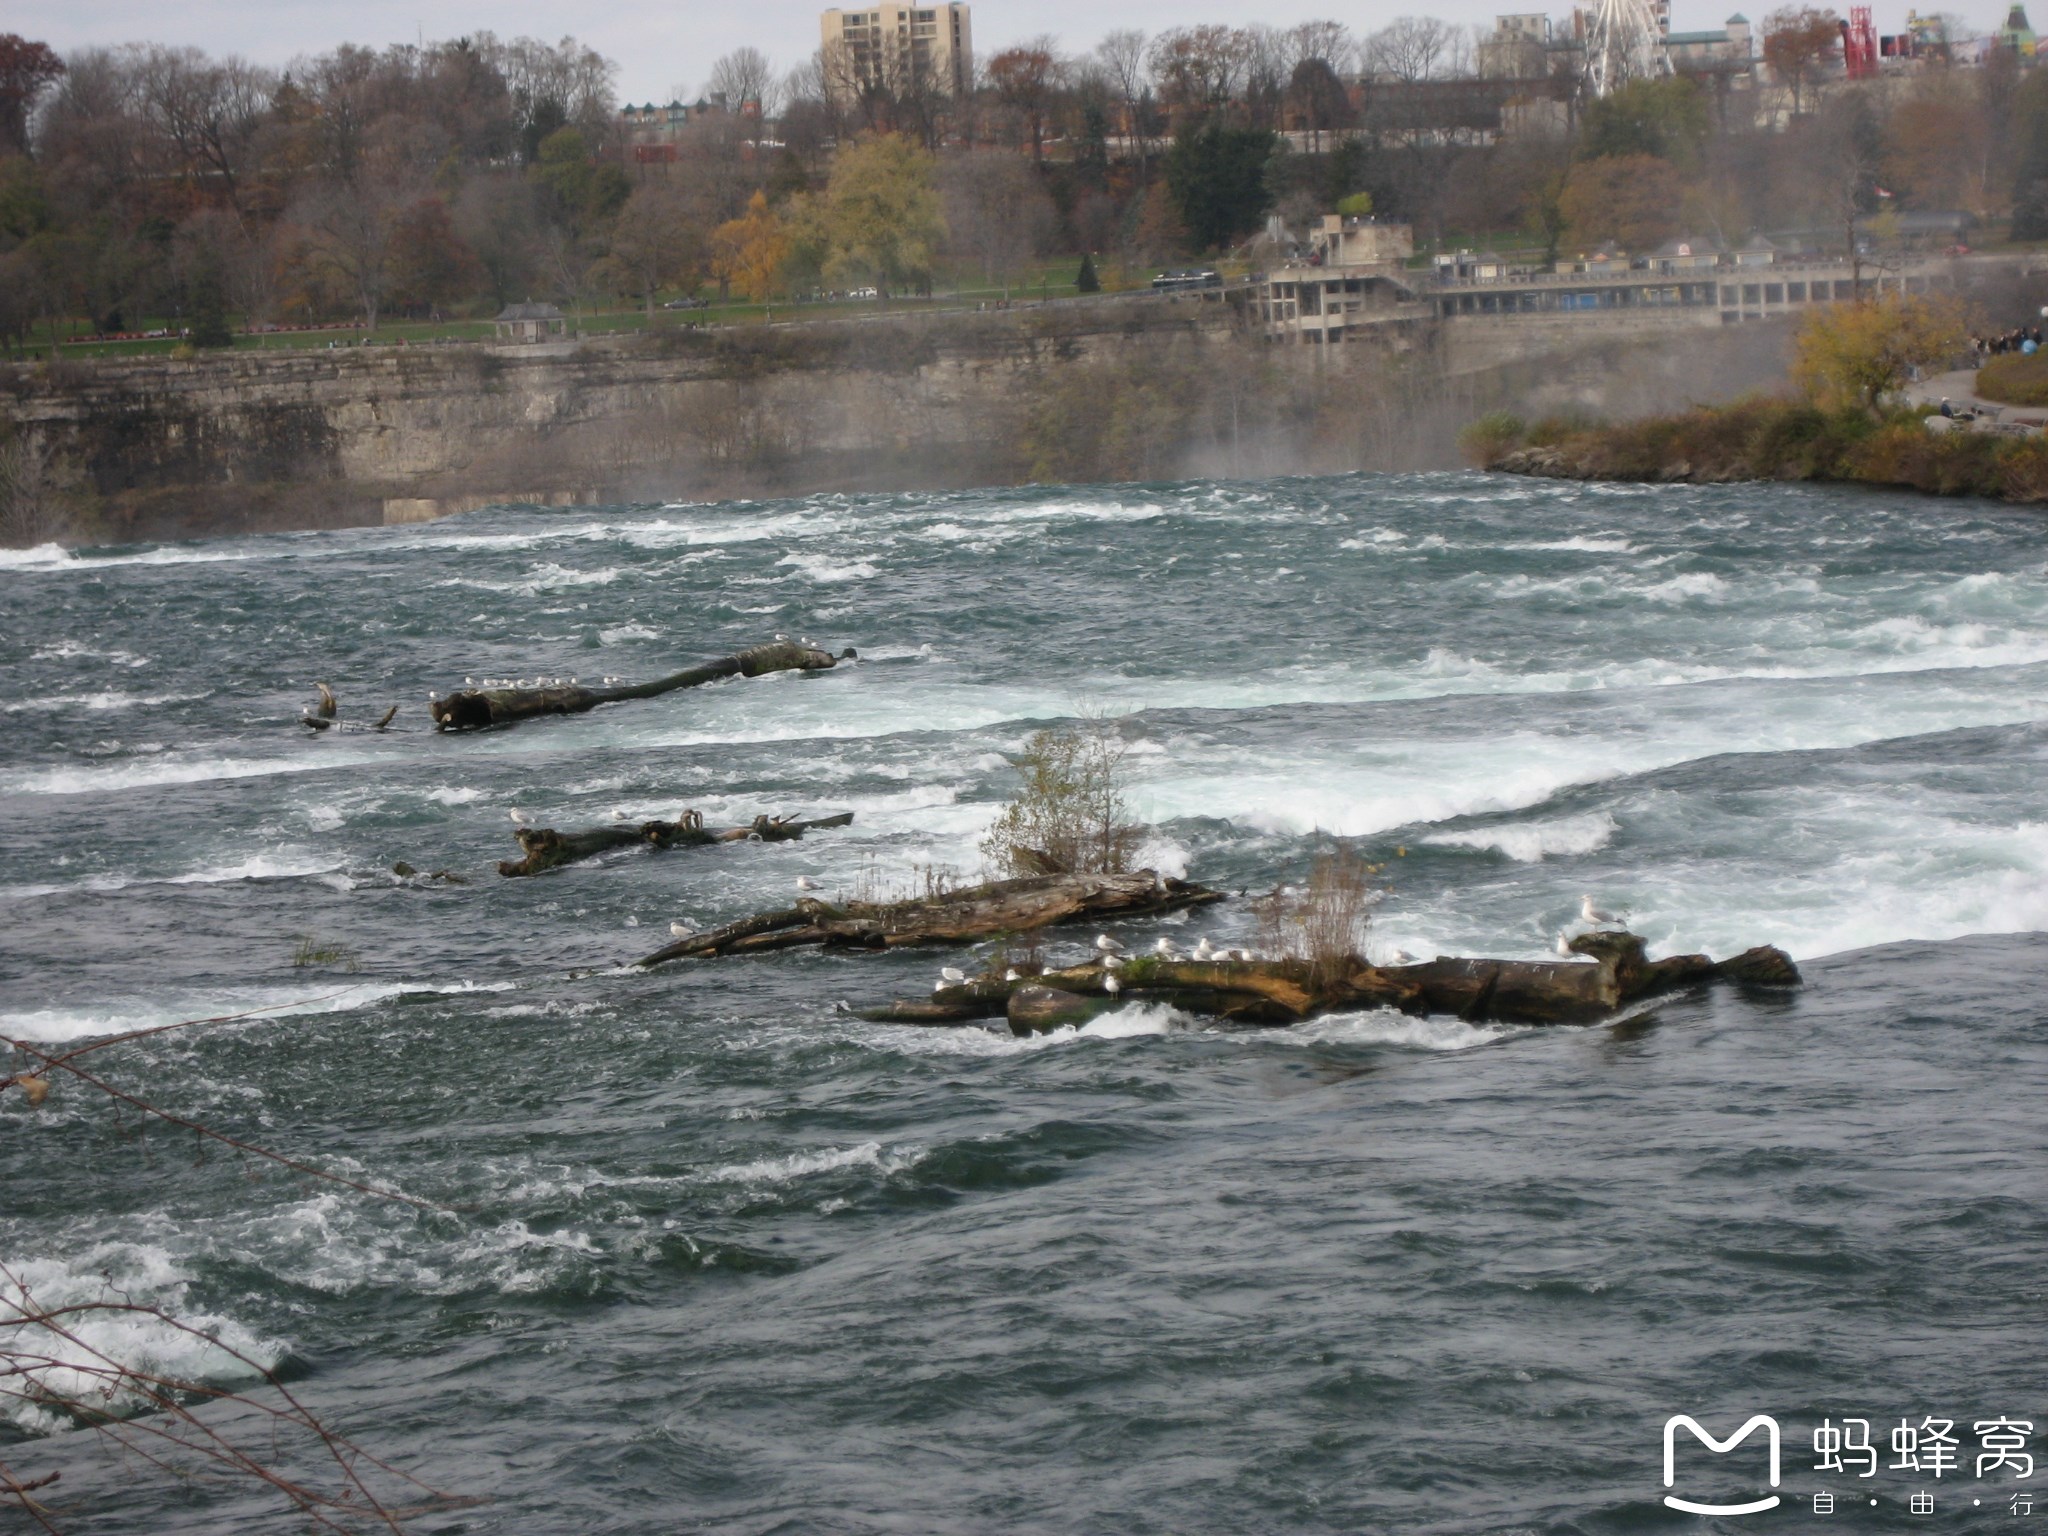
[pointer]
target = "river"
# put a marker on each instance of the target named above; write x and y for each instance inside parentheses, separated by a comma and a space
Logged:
(720, 1258)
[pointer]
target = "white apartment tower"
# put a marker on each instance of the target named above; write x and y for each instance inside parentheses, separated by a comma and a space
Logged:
(898, 47)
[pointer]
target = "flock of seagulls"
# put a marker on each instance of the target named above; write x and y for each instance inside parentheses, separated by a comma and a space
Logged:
(533, 682)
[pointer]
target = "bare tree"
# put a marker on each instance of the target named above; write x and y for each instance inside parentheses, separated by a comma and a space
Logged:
(997, 209)
(747, 83)
(1122, 55)
(656, 240)
(1411, 49)
(1024, 80)
(210, 113)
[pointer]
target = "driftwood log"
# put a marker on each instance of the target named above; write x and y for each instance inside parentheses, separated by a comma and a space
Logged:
(1281, 992)
(993, 910)
(546, 849)
(474, 708)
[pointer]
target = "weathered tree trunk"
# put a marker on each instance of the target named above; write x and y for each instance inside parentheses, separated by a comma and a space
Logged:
(473, 708)
(1287, 991)
(953, 917)
(546, 849)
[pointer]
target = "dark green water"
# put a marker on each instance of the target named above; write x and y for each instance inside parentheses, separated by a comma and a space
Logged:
(726, 1260)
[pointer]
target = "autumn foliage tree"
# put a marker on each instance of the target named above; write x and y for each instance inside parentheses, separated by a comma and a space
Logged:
(750, 254)
(1631, 200)
(27, 69)
(1855, 355)
(879, 219)
(1799, 42)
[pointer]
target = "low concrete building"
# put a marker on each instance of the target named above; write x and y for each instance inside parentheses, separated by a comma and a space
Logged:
(1353, 269)
(529, 322)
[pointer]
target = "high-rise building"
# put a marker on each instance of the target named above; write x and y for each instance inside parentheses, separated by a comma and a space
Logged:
(898, 48)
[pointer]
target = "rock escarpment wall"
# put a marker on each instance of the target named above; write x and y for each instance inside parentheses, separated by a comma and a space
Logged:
(153, 448)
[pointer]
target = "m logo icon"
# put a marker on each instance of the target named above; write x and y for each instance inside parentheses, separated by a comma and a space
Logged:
(1671, 1425)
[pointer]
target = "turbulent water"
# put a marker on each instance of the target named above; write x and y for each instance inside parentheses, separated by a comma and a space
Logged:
(722, 1258)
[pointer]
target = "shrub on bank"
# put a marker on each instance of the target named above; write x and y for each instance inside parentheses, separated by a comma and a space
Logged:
(1768, 437)
(2013, 379)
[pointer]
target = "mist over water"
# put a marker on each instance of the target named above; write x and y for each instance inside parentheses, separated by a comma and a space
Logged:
(729, 1260)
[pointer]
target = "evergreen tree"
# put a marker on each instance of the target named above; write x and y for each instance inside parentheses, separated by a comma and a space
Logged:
(1217, 175)
(1086, 281)
(209, 312)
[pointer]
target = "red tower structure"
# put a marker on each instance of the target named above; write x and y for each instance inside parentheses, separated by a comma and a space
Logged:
(1859, 44)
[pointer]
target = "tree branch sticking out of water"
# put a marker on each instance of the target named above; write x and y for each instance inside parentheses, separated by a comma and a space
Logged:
(48, 1364)
(1069, 815)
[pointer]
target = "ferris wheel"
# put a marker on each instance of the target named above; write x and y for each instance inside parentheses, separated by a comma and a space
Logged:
(1624, 43)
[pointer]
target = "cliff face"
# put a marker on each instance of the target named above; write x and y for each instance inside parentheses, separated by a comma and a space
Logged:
(247, 442)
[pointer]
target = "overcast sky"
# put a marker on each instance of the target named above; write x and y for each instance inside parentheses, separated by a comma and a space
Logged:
(661, 46)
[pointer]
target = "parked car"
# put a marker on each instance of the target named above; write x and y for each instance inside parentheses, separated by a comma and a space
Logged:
(864, 293)
(684, 304)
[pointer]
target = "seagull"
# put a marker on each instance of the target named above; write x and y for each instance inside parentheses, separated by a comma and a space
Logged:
(1110, 984)
(1105, 945)
(783, 638)
(1111, 962)
(953, 973)
(806, 883)
(681, 930)
(1402, 957)
(518, 816)
(1205, 950)
(1592, 914)
(1166, 947)
(469, 682)
(1011, 976)
(1562, 944)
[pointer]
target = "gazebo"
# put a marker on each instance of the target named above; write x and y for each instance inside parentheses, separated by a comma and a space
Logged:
(529, 321)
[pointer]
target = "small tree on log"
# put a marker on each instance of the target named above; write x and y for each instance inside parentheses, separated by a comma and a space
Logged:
(1069, 816)
(1326, 920)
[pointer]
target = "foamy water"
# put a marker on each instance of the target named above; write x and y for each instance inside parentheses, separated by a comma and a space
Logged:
(715, 1250)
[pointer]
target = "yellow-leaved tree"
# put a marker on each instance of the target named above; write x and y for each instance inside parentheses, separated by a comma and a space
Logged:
(1856, 354)
(879, 219)
(750, 254)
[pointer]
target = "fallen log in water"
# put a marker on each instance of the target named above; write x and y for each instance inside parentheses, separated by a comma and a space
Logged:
(988, 911)
(474, 708)
(1284, 992)
(546, 849)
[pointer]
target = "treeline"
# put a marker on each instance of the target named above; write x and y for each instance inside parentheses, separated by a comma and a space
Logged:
(452, 179)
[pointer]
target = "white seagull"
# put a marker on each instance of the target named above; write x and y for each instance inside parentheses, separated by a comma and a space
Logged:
(1205, 950)
(1110, 984)
(519, 816)
(953, 973)
(1402, 957)
(681, 930)
(1011, 976)
(1104, 944)
(1562, 944)
(1167, 948)
(806, 883)
(1589, 913)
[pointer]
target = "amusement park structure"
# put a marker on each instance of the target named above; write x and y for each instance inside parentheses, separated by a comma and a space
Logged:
(1624, 43)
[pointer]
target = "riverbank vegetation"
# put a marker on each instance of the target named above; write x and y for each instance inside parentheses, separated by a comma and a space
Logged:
(1845, 419)
(2015, 379)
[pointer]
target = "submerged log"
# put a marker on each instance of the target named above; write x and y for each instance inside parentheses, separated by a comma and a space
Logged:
(474, 708)
(546, 848)
(987, 911)
(1281, 992)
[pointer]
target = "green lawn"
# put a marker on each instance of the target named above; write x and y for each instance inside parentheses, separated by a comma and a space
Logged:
(961, 286)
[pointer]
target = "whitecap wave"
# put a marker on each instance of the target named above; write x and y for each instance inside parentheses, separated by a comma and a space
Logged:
(1532, 842)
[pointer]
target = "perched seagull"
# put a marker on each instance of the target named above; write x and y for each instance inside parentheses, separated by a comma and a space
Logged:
(1111, 962)
(1402, 957)
(681, 930)
(953, 973)
(518, 816)
(1562, 944)
(1591, 914)
(1110, 984)
(1011, 976)
(1166, 947)
(469, 682)
(782, 637)
(1105, 945)
(1205, 950)
(806, 883)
